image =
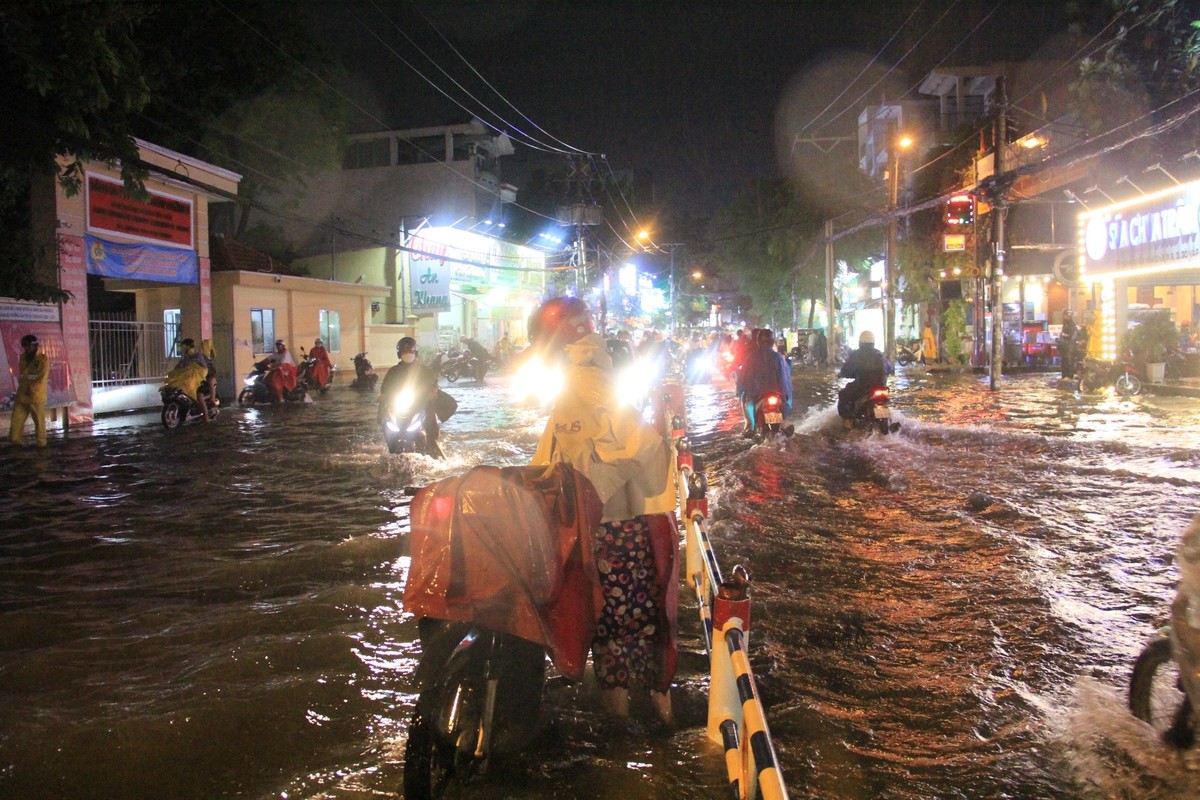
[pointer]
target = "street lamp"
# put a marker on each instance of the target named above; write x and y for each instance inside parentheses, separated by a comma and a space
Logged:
(900, 142)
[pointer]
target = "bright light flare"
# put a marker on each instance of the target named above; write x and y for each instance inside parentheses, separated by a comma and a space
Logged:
(538, 381)
(634, 383)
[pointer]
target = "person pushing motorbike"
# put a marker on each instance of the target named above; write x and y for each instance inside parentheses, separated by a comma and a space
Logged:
(630, 466)
(410, 373)
(868, 369)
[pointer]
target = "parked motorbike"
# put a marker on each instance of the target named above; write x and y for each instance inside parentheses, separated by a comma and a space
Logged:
(179, 409)
(256, 391)
(453, 365)
(872, 412)
(768, 417)
(522, 591)
(404, 426)
(364, 373)
(906, 355)
(1094, 374)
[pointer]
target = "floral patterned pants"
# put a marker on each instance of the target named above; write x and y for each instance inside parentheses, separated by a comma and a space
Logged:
(625, 645)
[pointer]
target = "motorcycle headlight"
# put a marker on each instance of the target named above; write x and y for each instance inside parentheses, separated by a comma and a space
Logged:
(402, 403)
(633, 383)
(536, 380)
(250, 379)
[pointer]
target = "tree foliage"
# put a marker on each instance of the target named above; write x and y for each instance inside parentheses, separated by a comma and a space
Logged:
(761, 243)
(82, 79)
(1153, 58)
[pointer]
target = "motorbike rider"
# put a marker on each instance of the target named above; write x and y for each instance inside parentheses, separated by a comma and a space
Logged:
(764, 370)
(630, 466)
(409, 372)
(190, 371)
(480, 354)
(281, 371)
(868, 369)
(322, 367)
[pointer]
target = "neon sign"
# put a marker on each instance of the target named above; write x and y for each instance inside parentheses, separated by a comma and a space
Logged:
(1159, 229)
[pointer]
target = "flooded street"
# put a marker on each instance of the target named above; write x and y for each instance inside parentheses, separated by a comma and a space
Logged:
(949, 612)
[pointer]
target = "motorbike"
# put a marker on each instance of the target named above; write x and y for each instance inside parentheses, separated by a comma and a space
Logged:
(179, 409)
(768, 417)
(364, 373)
(305, 375)
(1094, 374)
(906, 355)
(515, 557)
(873, 412)
(454, 365)
(1163, 683)
(256, 391)
(404, 426)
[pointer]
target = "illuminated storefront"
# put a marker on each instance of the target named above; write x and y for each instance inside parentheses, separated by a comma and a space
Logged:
(1143, 253)
(468, 284)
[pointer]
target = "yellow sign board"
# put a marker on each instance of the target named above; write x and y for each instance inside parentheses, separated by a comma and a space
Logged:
(954, 242)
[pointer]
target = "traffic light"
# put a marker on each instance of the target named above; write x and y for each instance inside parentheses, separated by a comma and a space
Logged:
(960, 210)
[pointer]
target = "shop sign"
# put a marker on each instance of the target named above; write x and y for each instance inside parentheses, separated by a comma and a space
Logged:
(1153, 231)
(164, 219)
(954, 242)
(430, 286)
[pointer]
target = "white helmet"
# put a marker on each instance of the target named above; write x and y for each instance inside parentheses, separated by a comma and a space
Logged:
(866, 337)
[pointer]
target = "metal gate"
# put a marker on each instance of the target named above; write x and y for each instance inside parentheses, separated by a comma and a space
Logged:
(133, 353)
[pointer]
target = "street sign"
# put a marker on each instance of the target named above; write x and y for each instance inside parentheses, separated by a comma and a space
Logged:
(954, 242)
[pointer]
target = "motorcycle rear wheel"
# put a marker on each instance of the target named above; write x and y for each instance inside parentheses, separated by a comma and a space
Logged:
(1156, 695)
(172, 416)
(882, 426)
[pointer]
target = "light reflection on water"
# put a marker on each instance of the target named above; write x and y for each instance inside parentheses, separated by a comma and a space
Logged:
(217, 612)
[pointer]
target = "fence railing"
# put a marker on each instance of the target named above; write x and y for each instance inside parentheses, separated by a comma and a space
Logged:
(128, 352)
(736, 720)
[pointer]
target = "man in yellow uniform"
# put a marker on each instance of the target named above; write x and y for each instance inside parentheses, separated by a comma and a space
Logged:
(32, 387)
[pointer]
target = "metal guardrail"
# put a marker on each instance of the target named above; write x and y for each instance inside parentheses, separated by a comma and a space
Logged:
(736, 720)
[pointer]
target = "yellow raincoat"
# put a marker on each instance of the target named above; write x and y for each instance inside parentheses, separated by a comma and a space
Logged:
(188, 377)
(929, 344)
(626, 460)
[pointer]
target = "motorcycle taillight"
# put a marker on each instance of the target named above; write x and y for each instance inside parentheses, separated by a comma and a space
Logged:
(772, 400)
(879, 394)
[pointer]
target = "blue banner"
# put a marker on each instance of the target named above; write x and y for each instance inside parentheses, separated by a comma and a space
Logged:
(145, 262)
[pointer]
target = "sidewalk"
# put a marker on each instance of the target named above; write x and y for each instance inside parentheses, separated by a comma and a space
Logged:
(1184, 387)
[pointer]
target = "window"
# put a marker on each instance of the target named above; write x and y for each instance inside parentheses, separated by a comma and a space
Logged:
(262, 329)
(371, 153)
(331, 330)
(420, 150)
(172, 317)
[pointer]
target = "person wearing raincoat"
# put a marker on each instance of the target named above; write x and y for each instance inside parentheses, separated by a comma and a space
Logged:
(630, 465)
(322, 367)
(281, 371)
(189, 373)
(33, 380)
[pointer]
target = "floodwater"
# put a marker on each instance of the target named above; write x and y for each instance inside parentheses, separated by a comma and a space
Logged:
(949, 612)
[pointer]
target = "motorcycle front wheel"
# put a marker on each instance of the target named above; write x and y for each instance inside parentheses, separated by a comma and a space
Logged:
(246, 397)
(1156, 695)
(1128, 384)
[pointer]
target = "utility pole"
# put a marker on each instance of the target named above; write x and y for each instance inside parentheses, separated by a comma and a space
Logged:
(889, 264)
(830, 273)
(1001, 132)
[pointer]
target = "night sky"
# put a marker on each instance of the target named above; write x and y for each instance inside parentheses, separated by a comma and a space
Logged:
(701, 96)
